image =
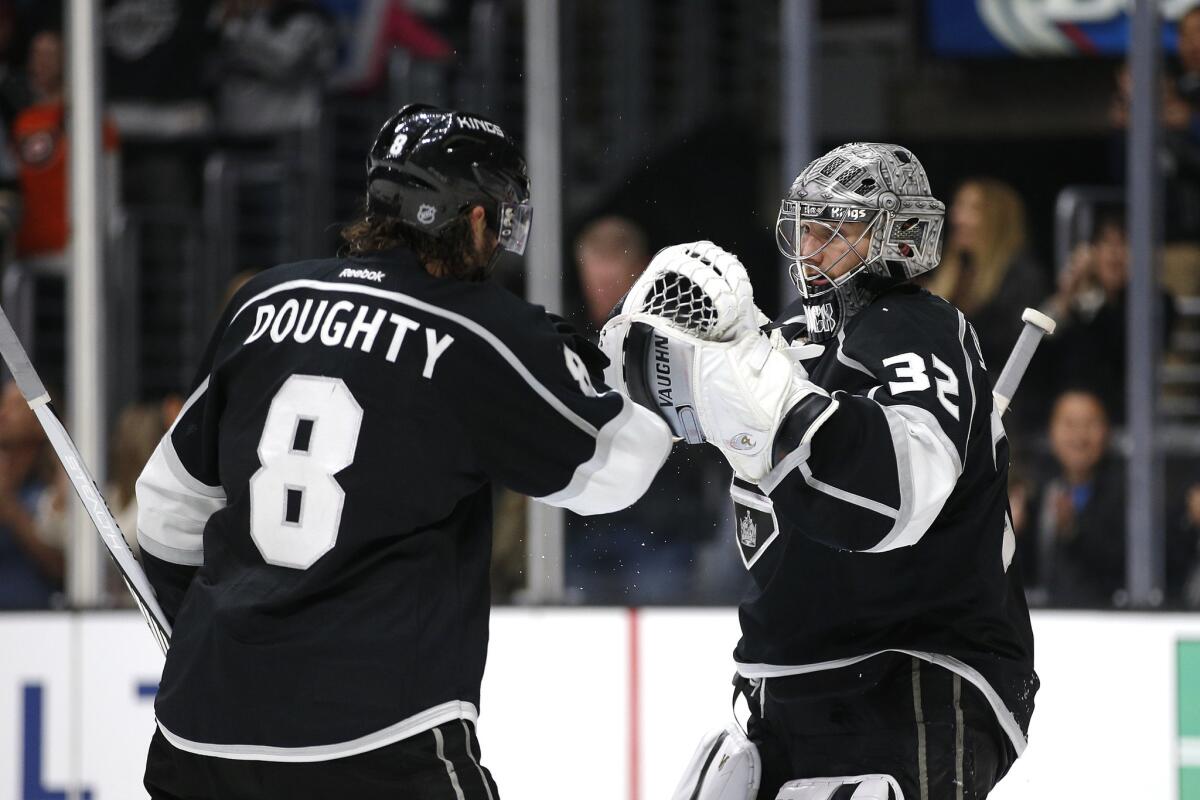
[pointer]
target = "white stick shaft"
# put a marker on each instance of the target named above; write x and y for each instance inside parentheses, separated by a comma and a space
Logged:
(1018, 362)
(85, 486)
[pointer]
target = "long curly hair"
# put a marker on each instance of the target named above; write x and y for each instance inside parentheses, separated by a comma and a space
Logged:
(452, 251)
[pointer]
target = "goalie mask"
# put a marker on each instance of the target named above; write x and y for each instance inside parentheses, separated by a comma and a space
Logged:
(858, 219)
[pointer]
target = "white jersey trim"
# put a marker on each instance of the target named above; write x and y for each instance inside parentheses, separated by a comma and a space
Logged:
(847, 360)
(1005, 717)
(470, 324)
(800, 455)
(962, 340)
(630, 449)
(173, 508)
(191, 401)
(927, 469)
(404, 729)
(172, 458)
(173, 555)
(845, 496)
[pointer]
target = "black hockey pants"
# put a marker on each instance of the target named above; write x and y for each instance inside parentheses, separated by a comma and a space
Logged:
(925, 726)
(439, 764)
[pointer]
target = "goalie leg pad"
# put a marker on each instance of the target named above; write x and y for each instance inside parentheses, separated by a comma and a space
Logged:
(725, 766)
(855, 787)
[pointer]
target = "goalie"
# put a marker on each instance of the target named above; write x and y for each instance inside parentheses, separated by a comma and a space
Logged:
(886, 645)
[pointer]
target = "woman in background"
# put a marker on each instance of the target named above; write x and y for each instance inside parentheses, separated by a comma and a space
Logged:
(987, 269)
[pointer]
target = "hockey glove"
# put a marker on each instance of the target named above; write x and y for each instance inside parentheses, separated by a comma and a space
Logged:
(744, 390)
(687, 345)
(591, 355)
(694, 289)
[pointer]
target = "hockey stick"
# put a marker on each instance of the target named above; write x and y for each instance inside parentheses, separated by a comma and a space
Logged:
(38, 399)
(1037, 325)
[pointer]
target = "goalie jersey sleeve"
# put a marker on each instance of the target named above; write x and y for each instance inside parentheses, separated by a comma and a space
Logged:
(882, 465)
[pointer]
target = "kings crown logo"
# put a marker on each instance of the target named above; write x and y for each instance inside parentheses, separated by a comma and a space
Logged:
(748, 530)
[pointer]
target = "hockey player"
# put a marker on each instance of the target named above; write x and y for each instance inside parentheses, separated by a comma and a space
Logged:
(886, 649)
(317, 522)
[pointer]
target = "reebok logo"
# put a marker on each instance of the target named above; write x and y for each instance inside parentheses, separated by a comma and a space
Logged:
(368, 274)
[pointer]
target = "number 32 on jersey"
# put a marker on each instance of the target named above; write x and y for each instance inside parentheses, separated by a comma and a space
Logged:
(310, 434)
(912, 377)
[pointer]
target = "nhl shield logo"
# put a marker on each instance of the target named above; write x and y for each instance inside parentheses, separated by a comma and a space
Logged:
(426, 214)
(748, 530)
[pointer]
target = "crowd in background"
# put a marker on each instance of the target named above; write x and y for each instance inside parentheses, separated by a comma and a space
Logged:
(256, 70)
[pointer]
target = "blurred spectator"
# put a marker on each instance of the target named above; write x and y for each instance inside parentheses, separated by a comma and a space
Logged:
(1088, 349)
(987, 270)
(1179, 116)
(1188, 538)
(373, 29)
(40, 143)
(15, 93)
(275, 56)
(1187, 30)
(156, 52)
(1078, 555)
(648, 552)
(610, 252)
(138, 430)
(169, 408)
(31, 555)
(509, 553)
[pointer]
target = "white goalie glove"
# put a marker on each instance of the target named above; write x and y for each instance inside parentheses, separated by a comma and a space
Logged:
(686, 343)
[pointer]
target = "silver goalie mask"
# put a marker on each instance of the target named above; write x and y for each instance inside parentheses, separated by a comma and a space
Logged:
(857, 219)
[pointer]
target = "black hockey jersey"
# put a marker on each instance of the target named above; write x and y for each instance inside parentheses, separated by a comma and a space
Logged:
(330, 476)
(889, 530)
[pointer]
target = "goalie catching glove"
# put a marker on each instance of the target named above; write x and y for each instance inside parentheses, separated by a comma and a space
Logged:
(686, 343)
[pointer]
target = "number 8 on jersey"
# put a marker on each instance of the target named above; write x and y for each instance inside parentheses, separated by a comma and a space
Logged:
(310, 434)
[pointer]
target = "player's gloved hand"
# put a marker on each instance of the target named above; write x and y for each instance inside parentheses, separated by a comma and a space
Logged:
(592, 356)
(687, 344)
(696, 290)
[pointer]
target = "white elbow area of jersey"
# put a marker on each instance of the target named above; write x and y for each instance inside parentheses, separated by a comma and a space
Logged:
(863, 787)
(725, 766)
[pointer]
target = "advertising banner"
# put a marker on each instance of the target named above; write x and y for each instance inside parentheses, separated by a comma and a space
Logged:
(609, 703)
(1039, 28)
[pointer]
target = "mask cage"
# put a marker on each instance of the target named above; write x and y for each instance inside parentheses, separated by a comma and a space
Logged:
(797, 218)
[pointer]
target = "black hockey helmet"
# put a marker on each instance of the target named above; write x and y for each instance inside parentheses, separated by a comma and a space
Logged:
(428, 165)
